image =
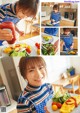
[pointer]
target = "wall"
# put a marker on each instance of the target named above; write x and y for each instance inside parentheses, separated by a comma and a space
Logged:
(56, 66)
(75, 62)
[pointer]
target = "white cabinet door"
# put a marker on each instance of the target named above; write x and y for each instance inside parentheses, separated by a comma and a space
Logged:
(0, 2)
(8, 1)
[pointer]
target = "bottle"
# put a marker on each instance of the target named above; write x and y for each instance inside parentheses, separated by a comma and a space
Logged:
(9, 26)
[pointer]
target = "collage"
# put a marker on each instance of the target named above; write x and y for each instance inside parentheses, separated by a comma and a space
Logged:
(39, 56)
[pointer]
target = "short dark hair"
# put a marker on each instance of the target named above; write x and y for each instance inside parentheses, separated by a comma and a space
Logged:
(30, 5)
(56, 7)
(26, 62)
(66, 29)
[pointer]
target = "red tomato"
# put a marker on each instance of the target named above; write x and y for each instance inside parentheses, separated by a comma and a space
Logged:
(54, 103)
(68, 100)
(37, 45)
(59, 105)
(28, 50)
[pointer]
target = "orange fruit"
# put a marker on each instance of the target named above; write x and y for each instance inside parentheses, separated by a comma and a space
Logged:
(54, 107)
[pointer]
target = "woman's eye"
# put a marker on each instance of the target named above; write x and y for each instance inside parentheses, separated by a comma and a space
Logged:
(31, 70)
(41, 67)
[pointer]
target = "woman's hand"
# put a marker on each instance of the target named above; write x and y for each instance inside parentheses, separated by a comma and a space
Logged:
(46, 111)
(5, 35)
(72, 46)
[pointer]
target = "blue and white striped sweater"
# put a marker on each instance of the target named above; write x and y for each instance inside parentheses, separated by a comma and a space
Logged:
(36, 96)
(8, 10)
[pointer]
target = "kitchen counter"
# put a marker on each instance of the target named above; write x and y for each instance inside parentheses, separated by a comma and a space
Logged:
(55, 38)
(63, 22)
(29, 35)
(11, 107)
(30, 41)
(62, 18)
(48, 18)
(25, 39)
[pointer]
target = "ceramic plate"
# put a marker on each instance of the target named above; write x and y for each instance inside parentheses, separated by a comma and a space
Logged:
(33, 50)
(47, 41)
(76, 110)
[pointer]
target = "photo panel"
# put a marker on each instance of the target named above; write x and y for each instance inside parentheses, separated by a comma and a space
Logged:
(49, 41)
(68, 41)
(59, 14)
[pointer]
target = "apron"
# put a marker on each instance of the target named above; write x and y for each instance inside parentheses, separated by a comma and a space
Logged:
(7, 18)
(68, 44)
(51, 31)
(40, 107)
(56, 17)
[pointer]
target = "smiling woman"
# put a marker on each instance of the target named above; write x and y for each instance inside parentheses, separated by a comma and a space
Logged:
(37, 93)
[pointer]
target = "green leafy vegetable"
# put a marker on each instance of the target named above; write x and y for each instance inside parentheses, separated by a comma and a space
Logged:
(47, 49)
(21, 53)
(59, 97)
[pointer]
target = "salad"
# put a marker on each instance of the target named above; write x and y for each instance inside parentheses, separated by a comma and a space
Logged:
(47, 49)
(22, 49)
(18, 50)
(59, 99)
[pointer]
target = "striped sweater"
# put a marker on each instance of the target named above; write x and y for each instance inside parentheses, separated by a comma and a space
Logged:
(8, 10)
(33, 95)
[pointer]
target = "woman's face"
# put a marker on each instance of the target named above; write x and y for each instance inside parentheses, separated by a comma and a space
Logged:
(23, 14)
(67, 32)
(36, 75)
(55, 10)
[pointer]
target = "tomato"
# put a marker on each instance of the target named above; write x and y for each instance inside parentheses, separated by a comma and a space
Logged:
(17, 45)
(54, 103)
(59, 105)
(28, 50)
(37, 45)
(68, 100)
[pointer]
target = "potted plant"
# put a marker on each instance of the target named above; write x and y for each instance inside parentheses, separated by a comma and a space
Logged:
(71, 70)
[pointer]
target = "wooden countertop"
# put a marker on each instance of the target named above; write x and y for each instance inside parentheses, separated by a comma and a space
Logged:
(28, 36)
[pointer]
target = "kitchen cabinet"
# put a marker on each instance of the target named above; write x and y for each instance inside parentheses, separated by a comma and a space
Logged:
(61, 5)
(75, 40)
(11, 76)
(13, 111)
(64, 5)
(66, 23)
